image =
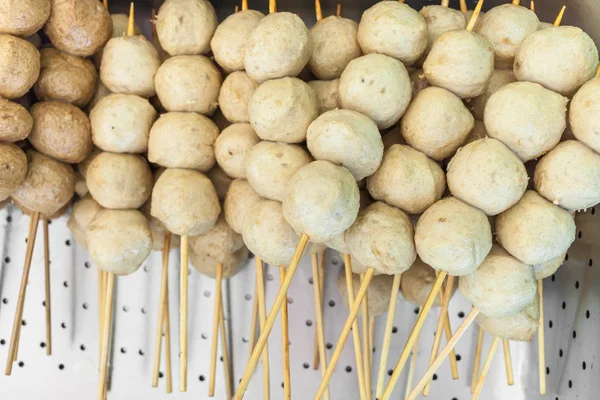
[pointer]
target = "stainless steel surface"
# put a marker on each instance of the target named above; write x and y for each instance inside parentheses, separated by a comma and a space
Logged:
(572, 306)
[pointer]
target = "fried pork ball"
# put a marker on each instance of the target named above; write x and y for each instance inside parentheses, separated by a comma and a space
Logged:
(269, 166)
(487, 175)
(436, 123)
(14, 169)
(61, 130)
(84, 211)
(584, 113)
(229, 42)
(185, 201)
(282, 109)
(119, 240)
(377, 86)
(560, 58)
(78, 27)
(48, 187)
(382, 238)
(239, 198)
(185, 27)
(394, 29)
(327, 93)
(183, 140)
(218, 243)
(232, 146)
(534, 230)
(569, 176)
(378, 294)
(23, 17)
(267, 234)
(407, 179)
(119, 181)
(454, 237)
(417, 282)
(129, 66)
(235, 95)
(65, 78)
(521, 326)
(121, 123)
(506, 26)
(279, 46)
(189, 84)
(321, 201)
(346, 138)
(460, 61)
(334, 45)
(526, 117)
(15, 121)
(19, 66)
(499, 78)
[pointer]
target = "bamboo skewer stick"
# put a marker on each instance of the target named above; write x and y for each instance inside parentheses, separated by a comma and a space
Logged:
(486, 367)
(338, 10)
(319, 318)
(254, 319)
(47, 284)
(412, 367)
(318, 11)
(225, 351)
(161, 308)
(560, 16)
(387, 334)
(516, 2)
(477, 360)
(321, 267)
(532, 5)
(100, 309)
(541, 341)
(16, 329)
(475, 16)
(345, 332)
(443, 354)
(261, 320)
(215, 330)
(413, 335)
(448, 333)
(110, 286)
(167, 326)
(285, 339)
(355, 334)
(508, 362)
(366, 340)
(463, 6)
(183, 314)
(264, 334)
(440, 326)
(244, 5)
(445, 3)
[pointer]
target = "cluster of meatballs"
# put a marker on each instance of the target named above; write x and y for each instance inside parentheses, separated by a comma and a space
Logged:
(409, 140)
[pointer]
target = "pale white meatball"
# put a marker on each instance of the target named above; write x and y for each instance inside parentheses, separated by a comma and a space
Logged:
(269, 166)
(407, 179)
(282, 109)
(218, 243)
(229, 42)
(548, 268)
(239, 198)
(487, 175)
(334, 45)
(278, 47)
(233, 263)
(501, 286)
(378, 294)
(185, 201)
(441, 19)
(560, 58)
(232, 146)
(121, 123)
(506, 26)
(84, 211)
(394, 29)
(436, 123)
(346, 138)
(454, 237)
(460, 61)
(267, 234)
(188, 83)
(417, 282)
(382, 238)
(534, 230)
(327, 93)
(235, 94)
(183, 140)
(220, 179)
(499, 78)
(186, 26)
(569, 176)
(129, 65)
(119, 240)
(527, 118)
(521, 326)
(377, 86)
(321, 201)
(584, 114)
